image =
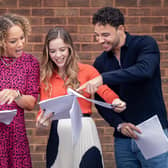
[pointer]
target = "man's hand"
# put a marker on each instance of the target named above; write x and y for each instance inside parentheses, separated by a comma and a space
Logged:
(119, 105)
(128, 130)
(92, 85)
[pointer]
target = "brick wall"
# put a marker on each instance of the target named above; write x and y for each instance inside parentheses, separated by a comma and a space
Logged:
(142, 17)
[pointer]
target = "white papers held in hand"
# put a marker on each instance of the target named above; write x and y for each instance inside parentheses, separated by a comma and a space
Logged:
(65, 107)
(152, 142)
(6, 116)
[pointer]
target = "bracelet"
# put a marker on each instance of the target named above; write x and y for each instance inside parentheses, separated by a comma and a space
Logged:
(18, 95)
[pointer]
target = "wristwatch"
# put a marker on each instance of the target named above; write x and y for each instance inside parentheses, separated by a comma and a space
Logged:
(119, 127)
(18, 95)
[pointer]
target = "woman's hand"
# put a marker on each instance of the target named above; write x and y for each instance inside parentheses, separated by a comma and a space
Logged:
(43, 120)
(8, 96)
(118, 105)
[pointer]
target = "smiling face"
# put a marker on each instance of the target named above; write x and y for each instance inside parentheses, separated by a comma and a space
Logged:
(108, 36)
(14, 42)
(59, 53)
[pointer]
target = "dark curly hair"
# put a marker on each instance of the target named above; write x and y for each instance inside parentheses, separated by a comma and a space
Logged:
(108, 15)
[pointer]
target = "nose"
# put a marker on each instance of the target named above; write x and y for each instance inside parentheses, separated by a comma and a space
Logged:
(58, 54)
(20, 43)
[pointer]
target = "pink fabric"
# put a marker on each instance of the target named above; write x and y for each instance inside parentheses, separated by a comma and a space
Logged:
(23, 75)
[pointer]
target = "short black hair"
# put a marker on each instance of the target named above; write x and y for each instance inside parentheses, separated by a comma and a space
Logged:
(108, 15)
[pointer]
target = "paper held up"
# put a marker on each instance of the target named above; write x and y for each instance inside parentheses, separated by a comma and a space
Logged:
(6, 116)
(153, 141)
(62, 107)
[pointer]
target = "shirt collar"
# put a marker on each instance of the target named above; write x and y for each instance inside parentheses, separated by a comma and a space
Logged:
(128, 39)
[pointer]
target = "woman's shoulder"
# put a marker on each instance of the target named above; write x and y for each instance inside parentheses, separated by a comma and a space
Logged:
(85, 67)
(29, 58)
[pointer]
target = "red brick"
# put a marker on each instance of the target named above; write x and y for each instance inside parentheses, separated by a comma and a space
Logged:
(43, 12)
(55, 20)
(30, 116)
(86, 29)
(38, 47)
(84, 55)
(151, 20)
(87, 11)
(36, 157)
(35, 38)
(81, 38)
(164, 55)
(79, 20)
(160, 29)
(40, 148)
(139, 28)
(89, 47)
(78, 3)
(39, 164)
(42, 132)
(67, 12)
(158, 37)
(139, 12)
(29, 3)
(54, 3)
(151, 3)
(100, 3)
(131, 20)
(35, 21)
(124, 3)
(165, 3)
(8, 3)
(25, 12)
(71, 28)
(159, 11)
(40, 29)
(3, 11)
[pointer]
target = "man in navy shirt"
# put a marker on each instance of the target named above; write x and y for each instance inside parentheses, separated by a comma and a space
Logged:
(130, 65)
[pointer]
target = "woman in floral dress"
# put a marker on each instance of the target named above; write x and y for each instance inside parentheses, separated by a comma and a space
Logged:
(19, 88)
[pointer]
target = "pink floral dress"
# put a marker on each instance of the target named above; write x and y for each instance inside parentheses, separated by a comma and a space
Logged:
(22, 74)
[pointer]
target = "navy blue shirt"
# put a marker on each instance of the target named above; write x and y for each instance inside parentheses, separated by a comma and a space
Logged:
(136, 79)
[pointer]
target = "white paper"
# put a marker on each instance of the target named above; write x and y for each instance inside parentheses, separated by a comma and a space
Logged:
(65, 107)
(152, 142)
(6, 116)
(61, 104)
(75, 115)
(100, 103)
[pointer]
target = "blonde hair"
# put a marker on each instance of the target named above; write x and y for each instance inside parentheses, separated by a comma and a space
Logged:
(9, 20)
(48, 67)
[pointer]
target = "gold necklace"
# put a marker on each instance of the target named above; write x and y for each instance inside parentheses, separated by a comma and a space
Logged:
(7, 64)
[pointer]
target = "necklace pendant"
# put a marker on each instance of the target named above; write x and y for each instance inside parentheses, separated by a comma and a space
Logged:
(8, 64)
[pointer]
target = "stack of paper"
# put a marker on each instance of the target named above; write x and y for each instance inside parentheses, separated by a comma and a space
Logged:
(6, 116)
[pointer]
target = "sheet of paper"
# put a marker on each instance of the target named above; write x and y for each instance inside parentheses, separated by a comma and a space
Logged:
(75, 115)
(152, 142)
(6, 116)
(65, 107)
(107, 105)
(61, 104)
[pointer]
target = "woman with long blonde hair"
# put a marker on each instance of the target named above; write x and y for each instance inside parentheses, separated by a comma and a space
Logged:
(60, 69)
